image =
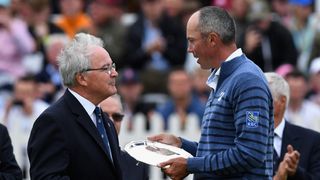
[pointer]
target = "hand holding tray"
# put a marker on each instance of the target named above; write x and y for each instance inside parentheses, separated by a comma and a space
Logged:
(154, 153)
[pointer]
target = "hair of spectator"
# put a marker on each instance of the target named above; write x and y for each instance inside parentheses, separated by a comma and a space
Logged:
(297, 74)
(278, 86)
(75, 57)
(215, 19)
(56, 38)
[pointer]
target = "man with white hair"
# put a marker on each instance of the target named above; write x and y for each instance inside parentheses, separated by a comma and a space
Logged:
(72, 139)
(297, 150)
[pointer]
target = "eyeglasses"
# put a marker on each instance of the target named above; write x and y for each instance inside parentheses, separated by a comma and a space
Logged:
(117, 117)
(108, 69)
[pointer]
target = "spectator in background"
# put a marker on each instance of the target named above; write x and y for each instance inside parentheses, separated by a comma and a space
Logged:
(131, 88)
(105, 15)
(154, 44)
(297, 150)
(181, 100)
(200, 89)
(301, 112)
(239, 10)
(131, 168)
(37, 14)
(18, 42)
(9, 169)
(73, 19)
(20, 113)
(304, 27)
(268, 43)
(112, 106)
(281, 11)
(49, 79)
(315, 81)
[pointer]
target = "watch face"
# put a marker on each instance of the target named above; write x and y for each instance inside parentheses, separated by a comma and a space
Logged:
(154, 153)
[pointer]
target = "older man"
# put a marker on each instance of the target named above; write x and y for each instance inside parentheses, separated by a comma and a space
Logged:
(297, 150)
(72, 139)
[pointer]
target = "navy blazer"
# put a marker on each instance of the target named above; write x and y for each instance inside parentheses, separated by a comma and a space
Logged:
(9, 168)
(65, 144)
(307, 142)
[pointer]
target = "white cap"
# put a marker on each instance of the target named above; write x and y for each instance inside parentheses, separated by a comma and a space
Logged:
(315, 66)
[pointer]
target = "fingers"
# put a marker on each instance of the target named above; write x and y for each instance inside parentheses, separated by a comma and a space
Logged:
(158, 137)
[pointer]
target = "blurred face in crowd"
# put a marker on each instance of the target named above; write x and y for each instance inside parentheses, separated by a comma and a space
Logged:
(173, 7)
(24, 90)
(298, 88)
(199, 80)
(315, 82)
(131, 92)
(179, 84)
(113, 108)
(100, 12)
(239, 8)
(198, 45)
(71, 7)
(152, 9)
(281, 7)
(302, 12)
(53, 51)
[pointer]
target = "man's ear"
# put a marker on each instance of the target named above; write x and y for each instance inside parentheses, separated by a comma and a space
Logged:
(283, 99)
(81, 79)
(212, 39)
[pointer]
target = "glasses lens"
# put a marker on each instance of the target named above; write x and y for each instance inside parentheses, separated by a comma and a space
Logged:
(117, 117)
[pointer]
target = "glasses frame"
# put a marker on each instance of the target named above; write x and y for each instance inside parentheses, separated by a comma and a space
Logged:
(107, 70)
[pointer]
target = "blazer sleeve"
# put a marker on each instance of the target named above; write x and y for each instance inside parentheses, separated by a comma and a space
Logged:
(47, 150)
(9, 169)
(313, 170)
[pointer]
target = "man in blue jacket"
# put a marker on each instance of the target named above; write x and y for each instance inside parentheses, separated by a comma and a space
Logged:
(237, 127)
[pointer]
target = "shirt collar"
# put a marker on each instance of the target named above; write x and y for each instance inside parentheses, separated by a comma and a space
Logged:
(214, 76)
(86, 104)
(279, 129)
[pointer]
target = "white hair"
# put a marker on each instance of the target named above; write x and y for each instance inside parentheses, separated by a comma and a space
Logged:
(278, 86)
(75, 57)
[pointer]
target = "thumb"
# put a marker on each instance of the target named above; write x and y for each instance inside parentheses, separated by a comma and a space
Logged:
(289, 148)
(165, 164)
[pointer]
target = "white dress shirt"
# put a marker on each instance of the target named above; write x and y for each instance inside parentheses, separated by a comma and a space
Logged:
(278, 134)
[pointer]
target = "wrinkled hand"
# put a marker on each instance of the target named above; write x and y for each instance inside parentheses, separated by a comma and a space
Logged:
(282, 173)
(292, 158)
(166, 139)
(175, 168)
(288, 166)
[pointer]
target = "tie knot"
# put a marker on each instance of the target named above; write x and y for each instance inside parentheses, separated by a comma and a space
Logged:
(97, 112)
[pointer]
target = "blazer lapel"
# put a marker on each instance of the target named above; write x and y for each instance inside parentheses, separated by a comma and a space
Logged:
(85, 121)
(288, 137)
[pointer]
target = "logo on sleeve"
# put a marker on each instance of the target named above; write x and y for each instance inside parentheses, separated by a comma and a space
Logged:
(252, 119)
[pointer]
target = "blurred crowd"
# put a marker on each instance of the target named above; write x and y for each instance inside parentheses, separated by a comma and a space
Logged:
(146, 40)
